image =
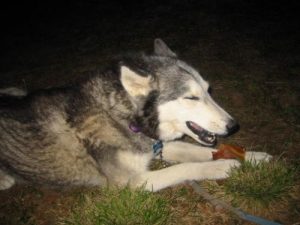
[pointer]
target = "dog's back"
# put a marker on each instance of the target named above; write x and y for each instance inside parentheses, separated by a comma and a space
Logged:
(37, 143)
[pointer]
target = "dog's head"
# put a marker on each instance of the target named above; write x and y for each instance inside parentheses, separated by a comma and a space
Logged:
(172, 99)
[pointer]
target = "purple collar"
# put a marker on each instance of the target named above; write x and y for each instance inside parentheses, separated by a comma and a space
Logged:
(135, 128)
(156, 147)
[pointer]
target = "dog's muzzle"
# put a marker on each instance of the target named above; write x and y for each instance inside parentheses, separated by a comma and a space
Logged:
(204, 136)
(232, 127)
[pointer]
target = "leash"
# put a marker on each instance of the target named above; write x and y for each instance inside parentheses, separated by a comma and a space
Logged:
(157, 150)
(216, 202)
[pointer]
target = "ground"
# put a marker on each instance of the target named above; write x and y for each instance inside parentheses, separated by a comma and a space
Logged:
(248, 51)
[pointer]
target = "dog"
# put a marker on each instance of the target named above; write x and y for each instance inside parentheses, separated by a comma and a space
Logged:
(106, 129)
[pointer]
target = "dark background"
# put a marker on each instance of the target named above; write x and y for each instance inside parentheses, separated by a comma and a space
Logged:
(35, 34)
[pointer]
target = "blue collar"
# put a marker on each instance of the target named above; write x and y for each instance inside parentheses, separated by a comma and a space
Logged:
(157, 148)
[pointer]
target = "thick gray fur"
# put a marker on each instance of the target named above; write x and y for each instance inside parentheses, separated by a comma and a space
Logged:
(79, 135)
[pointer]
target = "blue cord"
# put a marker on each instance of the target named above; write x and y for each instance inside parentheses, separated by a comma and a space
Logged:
(258, 220)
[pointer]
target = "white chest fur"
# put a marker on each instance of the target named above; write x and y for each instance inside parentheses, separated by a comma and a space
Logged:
(135, 162)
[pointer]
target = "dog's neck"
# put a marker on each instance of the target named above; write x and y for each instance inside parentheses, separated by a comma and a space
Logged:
(107, 94)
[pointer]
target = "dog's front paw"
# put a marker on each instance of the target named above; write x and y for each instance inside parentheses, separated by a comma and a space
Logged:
(256, 157)
(222, 167)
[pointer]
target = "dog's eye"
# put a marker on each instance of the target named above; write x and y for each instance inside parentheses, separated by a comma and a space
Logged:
(192, 98)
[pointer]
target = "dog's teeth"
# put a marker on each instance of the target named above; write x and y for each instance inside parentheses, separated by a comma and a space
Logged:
(211, 138)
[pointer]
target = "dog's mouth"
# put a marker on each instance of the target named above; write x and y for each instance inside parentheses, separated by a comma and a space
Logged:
(204, 136)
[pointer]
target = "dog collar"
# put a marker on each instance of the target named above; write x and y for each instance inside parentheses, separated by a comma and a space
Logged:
(156, 147)
(135, 128)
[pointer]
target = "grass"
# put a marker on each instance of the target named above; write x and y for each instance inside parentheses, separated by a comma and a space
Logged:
(256, 188)
(122, 207)
(261, 184)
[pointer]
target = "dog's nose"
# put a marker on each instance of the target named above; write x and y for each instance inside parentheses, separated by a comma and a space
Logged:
(232, 127)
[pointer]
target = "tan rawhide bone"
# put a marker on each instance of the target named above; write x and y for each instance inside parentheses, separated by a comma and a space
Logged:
(226, 151)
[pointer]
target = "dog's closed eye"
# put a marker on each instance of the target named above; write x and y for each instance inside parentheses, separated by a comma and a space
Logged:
(192, 98)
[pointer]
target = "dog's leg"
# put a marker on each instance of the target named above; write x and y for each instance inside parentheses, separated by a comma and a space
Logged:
(6, 181)
(159, 179)
(177, 151)
(256, 157)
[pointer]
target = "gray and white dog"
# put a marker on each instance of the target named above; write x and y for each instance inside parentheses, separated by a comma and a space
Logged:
(103, 131)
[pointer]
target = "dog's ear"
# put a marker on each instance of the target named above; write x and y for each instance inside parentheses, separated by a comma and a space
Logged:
(161, 49)
(135, 84)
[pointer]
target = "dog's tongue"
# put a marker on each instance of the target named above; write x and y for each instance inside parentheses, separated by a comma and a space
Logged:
(203, 134)
(196, 126)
